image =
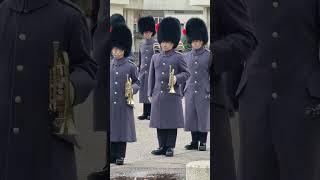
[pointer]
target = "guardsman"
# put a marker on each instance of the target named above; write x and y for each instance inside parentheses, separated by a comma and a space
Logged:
(117, 19)
(122, 71)
(29, 150)
(232, 44)
(166, 98)
(197, 89)
(279, 93)
(147, 29)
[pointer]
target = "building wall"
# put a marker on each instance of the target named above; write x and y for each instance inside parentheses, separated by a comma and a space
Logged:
(183, 18)
(169, 5)
(204, 3)
(119, 2)
(116, 9)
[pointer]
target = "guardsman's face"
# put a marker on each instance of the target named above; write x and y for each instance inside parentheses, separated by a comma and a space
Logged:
(196, 44)
(147, 35)
(166, 45)
(117, 53)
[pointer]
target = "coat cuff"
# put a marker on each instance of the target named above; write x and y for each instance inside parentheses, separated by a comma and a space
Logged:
(222, 55)
(83, 84)
(72, 93)
(180, 78)
(135, 88)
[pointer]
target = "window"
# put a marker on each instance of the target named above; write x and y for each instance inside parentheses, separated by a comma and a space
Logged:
(158, 19)
(135, 28)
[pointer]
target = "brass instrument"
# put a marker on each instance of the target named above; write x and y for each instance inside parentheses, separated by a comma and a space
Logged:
(60, 105)
(180, 47)
(129, 91)
(171, 80)
(156, 48)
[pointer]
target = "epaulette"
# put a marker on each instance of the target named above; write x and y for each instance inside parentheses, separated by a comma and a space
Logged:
(73, 5)
(179, 52)
(132, 62)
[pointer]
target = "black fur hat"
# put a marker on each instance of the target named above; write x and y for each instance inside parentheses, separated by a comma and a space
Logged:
(196, 30)
(169, 30)
(121, 38)
(147, 24)
(117, 19)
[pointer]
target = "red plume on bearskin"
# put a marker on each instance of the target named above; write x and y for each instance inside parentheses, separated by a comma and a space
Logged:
(184, 31)
(157, 27)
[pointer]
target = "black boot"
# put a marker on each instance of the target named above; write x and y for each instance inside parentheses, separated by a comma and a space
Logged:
(202, 147)
(169, 152)
(120, 161)
(159, 151)
(112, 160)
(191, 146)
(148, 118)
(142, 117)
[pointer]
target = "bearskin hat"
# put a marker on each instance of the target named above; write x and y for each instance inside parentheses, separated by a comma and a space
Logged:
(116, 19)
(196, 30)
(147, 24)
(121, 37)
(169, 30)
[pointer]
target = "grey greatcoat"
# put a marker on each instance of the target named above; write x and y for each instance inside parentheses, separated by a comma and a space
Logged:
(122, 127)
(145, 55)
(28, 149)
(166, 109)
(197, 91)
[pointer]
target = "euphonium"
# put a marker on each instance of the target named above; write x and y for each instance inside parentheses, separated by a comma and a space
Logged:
(171, 80)
(156, 48)
(60, 105)
(129, 91)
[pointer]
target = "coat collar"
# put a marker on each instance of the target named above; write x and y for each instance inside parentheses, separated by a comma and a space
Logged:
(168, 53)
(199, 51)
(148, 41)
(27, 5)
(119, 62)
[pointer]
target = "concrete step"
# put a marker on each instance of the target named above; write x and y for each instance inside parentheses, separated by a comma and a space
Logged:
(198, 170)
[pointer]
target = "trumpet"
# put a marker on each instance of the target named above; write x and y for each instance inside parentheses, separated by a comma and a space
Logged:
(60, 107)
(171, 80)
(129, 91)
(156, 48)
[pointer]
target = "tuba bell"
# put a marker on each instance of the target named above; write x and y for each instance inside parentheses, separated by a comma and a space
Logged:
(180, 48)
(129, 91)
(60, 105)
(156, 48)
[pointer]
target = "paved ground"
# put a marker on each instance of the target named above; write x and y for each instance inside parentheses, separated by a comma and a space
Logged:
(139, 161)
